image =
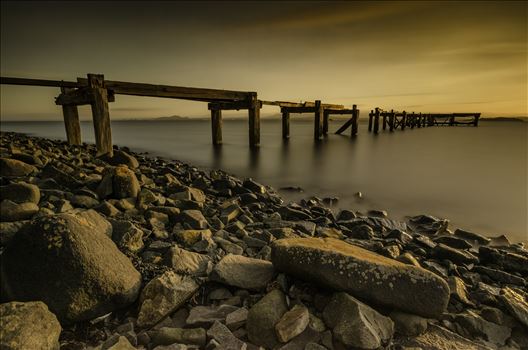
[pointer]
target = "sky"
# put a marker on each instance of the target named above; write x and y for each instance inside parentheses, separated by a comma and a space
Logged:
(417, 56)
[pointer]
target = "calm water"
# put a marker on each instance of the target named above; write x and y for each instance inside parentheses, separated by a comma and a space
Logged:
(476, 177)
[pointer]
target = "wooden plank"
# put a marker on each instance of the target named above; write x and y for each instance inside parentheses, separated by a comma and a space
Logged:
(300, 104)
(298, 109)
(77, 97)
(318, 120)
(216, 126)
(254, 120)
(101, 115)
(39, 82)
(338, 111)
(236, 105)
(71, 122)
(285, 125)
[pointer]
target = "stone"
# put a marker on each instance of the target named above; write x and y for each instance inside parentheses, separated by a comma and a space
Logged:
(236, 319)
(407, 324)
(28, 326)
(299, 342)
(193, 218)
(345, 215)
(454, 242)
(224, 337)
(188, 263)
(94, 221)
(437, 337)
(162, 296)
(190, 237)
(72, 265)
(80, 201)
(292, 323)
(61, 177)
(472, 237)
(360, 232)
(363, 274)
(20, 193)
(243, 272)
(409, 259)
(516, 305)
(500, 276)
(121, 158)
(262, 318)
(293, 214)
(355, 324)
(458, 290)
(120, 182)
(458, 256)
(11, 211)
(117, 343)
(190, 336)
(8, 230)
(15, 168)
(127, 235)
(107, 209)
(476, 326)
(428, 224)
(204, 316)
(254, 186)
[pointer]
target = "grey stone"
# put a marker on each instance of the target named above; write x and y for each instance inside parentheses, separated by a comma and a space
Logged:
(407, 324)
(236, 319)
(120, 182)
(193, 218)
(458, 290)
(362, 273)
(292, 323)
(80, 201)
(262, 318)
(243, 272)
(11, 211)
(185, 262)
(204, 316)
(28, 326)
(224, 337)
(458, 256)
(516, 305)
(127, 235)
(476, 326)
(190, 336)
(20, 192)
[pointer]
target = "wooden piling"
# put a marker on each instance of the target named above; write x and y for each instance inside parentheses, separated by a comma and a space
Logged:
(376, 120)
(355, 121)
(318, 120)
(452, 120)
(100, 114)
(476, 120)
(419, 120)
(71, 121)
(371, 115)
(216, 125)
(404, 120)
(254, 120)
(391, 120)
(384, 114)
(285, 125)
(326, 116)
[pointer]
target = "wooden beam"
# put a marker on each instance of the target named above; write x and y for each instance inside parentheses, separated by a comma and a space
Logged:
(384, 121)
(285, 125)
(236, 105)
(371, 116)
(391, 120)
(76, 97)
(101, 115)
(298, 109)
(318, 120)
(338, 111)
(254, 120)
(404, 120)
(352, 121)
(39, 82)
(71, 122)
(216, 126)
(300, 104)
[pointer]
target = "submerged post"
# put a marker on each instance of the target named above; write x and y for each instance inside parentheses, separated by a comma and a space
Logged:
(452, 120)
(254, 120)
(318, 120)
(71, 121)
(216, 125)
(404, 120)
(391, 120)
(100, 114)
(376, 121)
(355, 121)
(371, 115)
(384, 120)
(326, 115)
(476, 120)
(285, 124)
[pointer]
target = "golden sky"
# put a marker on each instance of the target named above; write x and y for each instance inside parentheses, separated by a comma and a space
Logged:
(440, 56)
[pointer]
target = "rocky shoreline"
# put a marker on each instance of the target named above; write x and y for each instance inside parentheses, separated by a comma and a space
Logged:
(133, 252)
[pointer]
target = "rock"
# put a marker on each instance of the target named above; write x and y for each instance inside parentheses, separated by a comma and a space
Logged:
(194, 219)
(8, 230)
(254, 186)
(458, 290)
(162, 296)
(345, 215)
(236, 319)
(190, 336)
(28, 326)
(442, 251)
(454, 242)
(204, 316)
(190, 237)
(293, 214)
(407, 324)
(224, 337)
(428, 224)
(11, 211)
(20, 193)
(500, 276)
(362, 273)
(80, 201)
(516, 305)
(188, 263)
(61, 177)
(408, 258)
(71, 264)
(355, 324)
(15, 168)
(127, 235)
(292, 323)
(476, 326)
(437, 337)
(472, 237)
(120, 182)
(229, 247)
(360, 232)
(121, 158)
(262, 318)
(107, 209)
(302, 340)
(492, 314)
(117, 343)
(243, 272)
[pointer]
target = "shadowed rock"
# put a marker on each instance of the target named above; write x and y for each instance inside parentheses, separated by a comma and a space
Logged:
(362, 273)
(15, 168)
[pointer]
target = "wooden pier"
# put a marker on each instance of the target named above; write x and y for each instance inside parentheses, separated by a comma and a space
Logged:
(402, 120)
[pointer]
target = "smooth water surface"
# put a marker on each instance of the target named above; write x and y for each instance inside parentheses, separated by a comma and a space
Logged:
(476, 177)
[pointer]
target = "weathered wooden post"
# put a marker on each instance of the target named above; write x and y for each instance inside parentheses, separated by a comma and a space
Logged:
(285, 124)
(71, 121)
(413, 120)
(419, 120)
(254, 120)
(100, 114)
(404, 120)
(371, 115)
(326, 116)
(355, 121)
(430, 120)
(384, 114)
(391, 120)
(318, 121)
(376, 120)
(216, 124)
(476, 120)
(452, 120)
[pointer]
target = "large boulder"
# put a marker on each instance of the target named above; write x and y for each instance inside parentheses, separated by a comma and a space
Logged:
(355, 324)
(28, 326)
(15, 168)
(70, 264)
(20, 193)
(363, 274)
(243, 272)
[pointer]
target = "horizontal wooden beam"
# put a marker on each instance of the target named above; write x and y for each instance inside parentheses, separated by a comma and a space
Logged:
(39, 82)
(298, 109)
(79, 97)
(236, 105)
(338, 111)
(300, 104)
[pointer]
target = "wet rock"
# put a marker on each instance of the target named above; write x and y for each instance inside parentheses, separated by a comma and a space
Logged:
(442, 251)
(362, 273)
(15, 168)
(292, 323)
(407, 324)
(476, 326)
(458, 290)
(205, 316)
(355, 324)
(188, 263)
(262, 318)
(11, 211)
(162, 296)
(243, 272)
(95, 277)
(28, 326)
(225, 338)
(190, 336)
(516, 305)
(20, 193)
(194, 219)
(472, 237)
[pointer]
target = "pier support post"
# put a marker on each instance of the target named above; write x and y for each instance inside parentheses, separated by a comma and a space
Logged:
(376, 120)
(404, 120)
(71, 121)
(412, 120)
(419, 120)
(384, 114)
(371, 115)
(476, 121)
(254, 120)
(391, 120)
(216, 125)
(355, 121)
(101, 115)
(285, 125)
(318, 120)
(326, 116)
(452, 120)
